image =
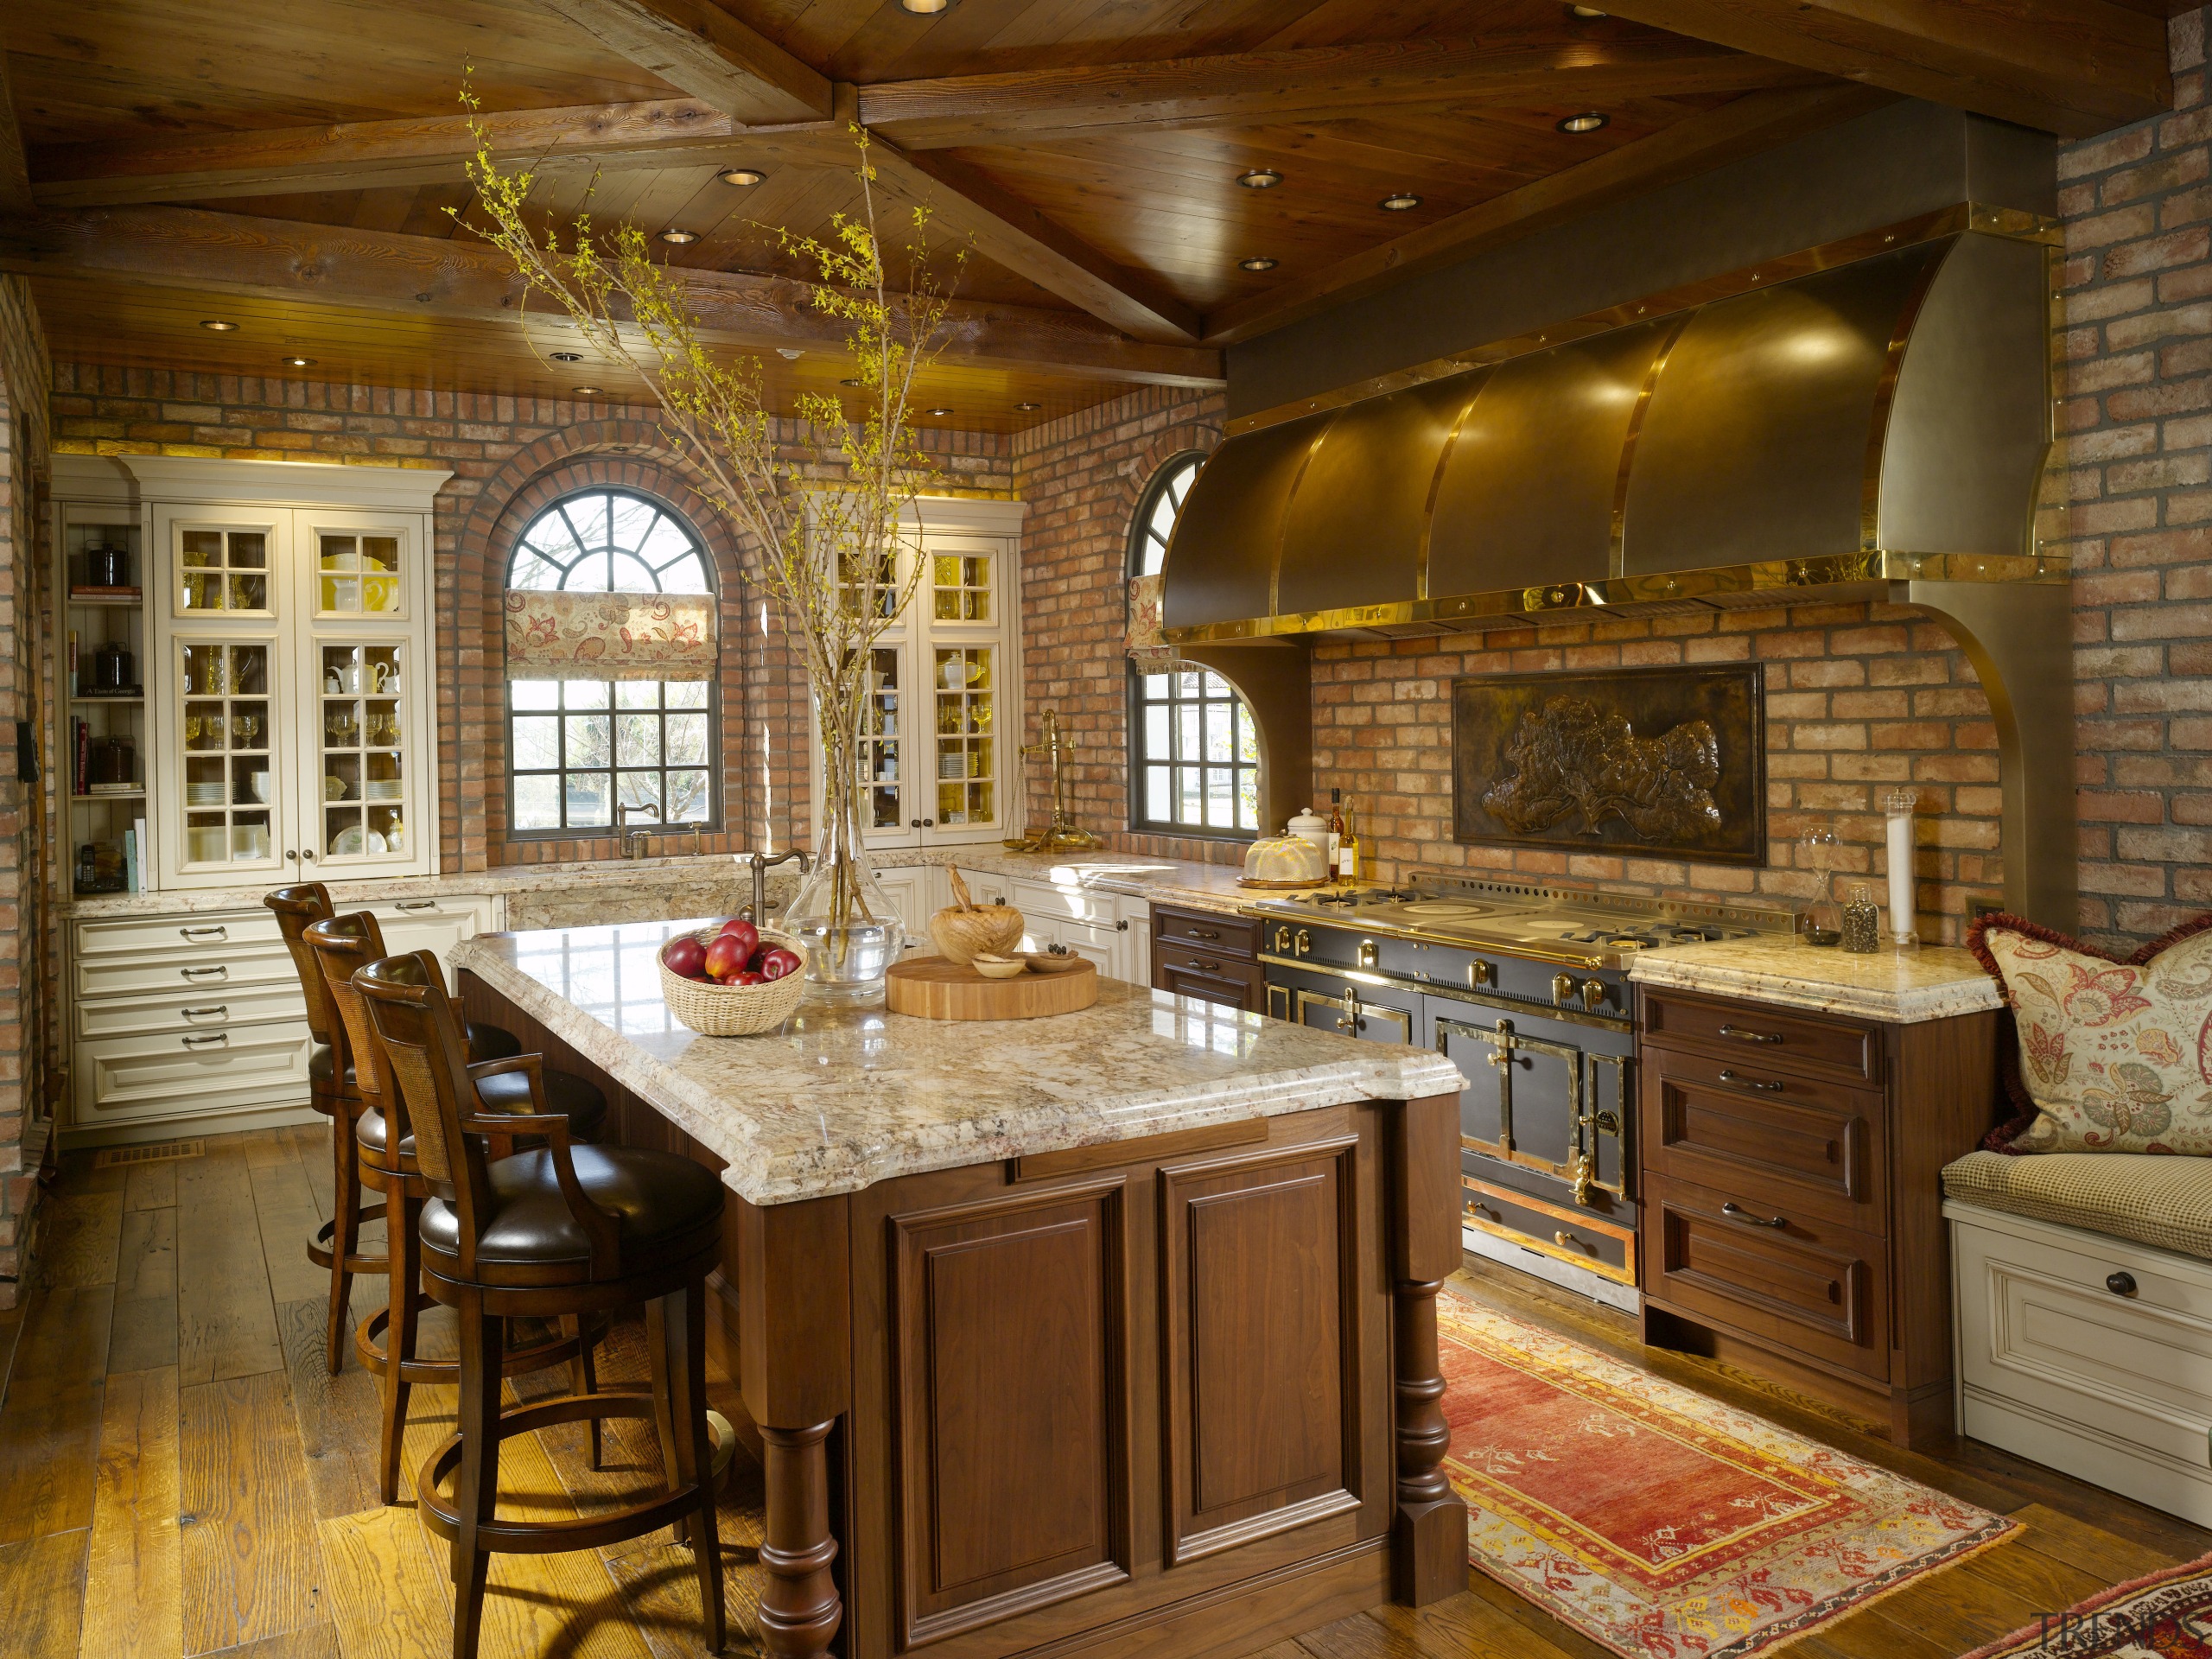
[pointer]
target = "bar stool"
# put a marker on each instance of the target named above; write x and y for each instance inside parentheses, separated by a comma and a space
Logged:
(568, 1231)
(386, 1152)
(331, 1091)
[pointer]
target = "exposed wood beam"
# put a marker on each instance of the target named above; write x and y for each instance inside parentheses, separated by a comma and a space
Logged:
(2068, 67)
(414, 150)
(458, 277)
(1309, 83)
(697, 46)
(15, 175)
(1756, 121)
(1009, 232)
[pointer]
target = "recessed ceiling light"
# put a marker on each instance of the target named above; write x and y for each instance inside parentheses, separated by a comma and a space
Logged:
(1398, 202)
(218, 325)
(1588, 121)
(849, 382)
(586, 391)
(1257, 262)
(1586, 11)
(1260, 178)
(742, 175)
(679, 237)
(938, 412)
(301, 362)
(567, 357)
(1025, 406)
(924, 8)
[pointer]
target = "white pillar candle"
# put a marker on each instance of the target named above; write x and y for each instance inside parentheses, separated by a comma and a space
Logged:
(1900, 844)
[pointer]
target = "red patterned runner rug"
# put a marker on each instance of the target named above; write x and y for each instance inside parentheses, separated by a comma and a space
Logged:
(1658, 1521)
(2165, 1616)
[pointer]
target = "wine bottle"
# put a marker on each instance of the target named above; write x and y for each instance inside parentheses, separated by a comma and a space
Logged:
(1348, 848)
(1335, 826)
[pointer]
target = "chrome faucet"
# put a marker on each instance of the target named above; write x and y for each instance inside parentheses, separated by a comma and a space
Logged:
(762, 864)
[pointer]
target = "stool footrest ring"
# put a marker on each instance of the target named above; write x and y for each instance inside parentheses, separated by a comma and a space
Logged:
(369, 1343)
(321, 1246)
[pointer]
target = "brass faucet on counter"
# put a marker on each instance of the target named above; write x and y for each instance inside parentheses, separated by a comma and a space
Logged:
(761, 863)
(1061, 835)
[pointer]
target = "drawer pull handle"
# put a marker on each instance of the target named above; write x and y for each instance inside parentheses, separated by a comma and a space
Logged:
(1730, 1075)
(200, 1038)
(2120, 1284)
(1567, 1241)
(1205, 932)
(205, 973)
(1206, 967)
(210, 1012)
(1736, 1213)
(1744, 1036)
(218, 932)
(416, 904)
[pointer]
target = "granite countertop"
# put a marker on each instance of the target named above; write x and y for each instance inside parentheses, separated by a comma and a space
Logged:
(1902, 988)
(1170, 879)
(844, 1097)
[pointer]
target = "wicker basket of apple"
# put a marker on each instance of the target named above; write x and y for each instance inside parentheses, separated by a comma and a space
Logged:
(731, 979)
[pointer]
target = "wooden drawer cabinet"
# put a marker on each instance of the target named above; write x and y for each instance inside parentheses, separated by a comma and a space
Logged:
(1816, 1289)
(1792, 1209)
(1232, 984)
(1805, 1141)
(1765, 1037)
(1208, 932)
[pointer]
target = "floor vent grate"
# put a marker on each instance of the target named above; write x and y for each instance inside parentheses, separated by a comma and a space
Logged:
(166, 1152)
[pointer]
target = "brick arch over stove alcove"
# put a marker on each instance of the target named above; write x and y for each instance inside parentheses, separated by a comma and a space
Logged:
(761, 684)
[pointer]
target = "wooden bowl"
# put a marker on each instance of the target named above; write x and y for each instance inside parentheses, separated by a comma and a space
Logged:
(1043, 961)
(992, 967)
(987, 930)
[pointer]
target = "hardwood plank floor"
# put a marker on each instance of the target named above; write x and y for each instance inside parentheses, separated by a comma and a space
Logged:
(181, 1479)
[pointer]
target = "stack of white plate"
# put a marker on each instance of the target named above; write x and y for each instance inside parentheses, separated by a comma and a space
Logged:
(381, 789)
(203, 794)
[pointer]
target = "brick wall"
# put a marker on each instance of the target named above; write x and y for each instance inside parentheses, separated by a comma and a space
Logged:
(508, 455)
(28, 1033)
(2137, 518)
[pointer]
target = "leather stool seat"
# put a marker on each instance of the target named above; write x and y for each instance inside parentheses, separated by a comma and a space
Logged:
(657, 1198)
(508, 1092)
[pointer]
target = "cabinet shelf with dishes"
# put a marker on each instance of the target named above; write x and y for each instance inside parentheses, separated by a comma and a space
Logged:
(99, 547)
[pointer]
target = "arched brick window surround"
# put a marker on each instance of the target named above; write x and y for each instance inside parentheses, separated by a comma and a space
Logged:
(756, 671)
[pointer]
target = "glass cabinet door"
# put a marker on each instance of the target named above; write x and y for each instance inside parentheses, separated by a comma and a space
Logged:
(361, 568)
(222, 570)
(366, 748)
(881, 761)
(967, 773)
(227, 703)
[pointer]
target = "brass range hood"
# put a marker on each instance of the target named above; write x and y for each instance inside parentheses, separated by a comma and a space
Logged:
(1866, 420)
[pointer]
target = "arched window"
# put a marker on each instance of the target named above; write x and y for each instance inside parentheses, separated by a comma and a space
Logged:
(611, 659)
(1194, 753)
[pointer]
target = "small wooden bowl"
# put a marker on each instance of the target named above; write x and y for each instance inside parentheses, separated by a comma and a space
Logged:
(1045, 962)
(991, 967)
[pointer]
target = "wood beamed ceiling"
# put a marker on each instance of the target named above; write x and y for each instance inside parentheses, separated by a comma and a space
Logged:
(298, 165)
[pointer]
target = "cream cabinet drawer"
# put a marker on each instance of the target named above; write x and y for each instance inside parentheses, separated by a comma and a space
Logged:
(185, 971)
(208, 1010)
(186, 1074)
(1041, 900)
(215, 931)
(2042, 1325)
(432, 923)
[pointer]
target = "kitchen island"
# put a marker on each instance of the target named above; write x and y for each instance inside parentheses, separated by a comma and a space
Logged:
(1114, 1332)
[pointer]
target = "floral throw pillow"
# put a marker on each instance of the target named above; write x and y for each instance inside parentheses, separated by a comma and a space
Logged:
(2113, 1056)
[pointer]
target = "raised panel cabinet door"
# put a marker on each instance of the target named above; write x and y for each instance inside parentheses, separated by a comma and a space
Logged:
(1258, 1344)
(1011, 1403)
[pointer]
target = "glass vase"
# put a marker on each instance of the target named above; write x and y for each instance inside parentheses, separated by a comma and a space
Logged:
(841, 912)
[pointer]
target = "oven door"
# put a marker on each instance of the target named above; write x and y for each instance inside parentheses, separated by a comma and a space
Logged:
(1331, 1002)
(1543, 1095)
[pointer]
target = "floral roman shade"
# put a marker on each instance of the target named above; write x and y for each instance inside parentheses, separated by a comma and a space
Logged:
(1147, 645)
(560, 635)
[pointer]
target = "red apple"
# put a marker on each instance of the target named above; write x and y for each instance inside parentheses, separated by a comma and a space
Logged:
(725, 958)
(746, 935)
(749, 978)
(686, 956)
(776, 962)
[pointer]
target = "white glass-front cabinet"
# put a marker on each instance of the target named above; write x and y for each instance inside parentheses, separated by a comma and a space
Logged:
(939, 757)
(290, 688)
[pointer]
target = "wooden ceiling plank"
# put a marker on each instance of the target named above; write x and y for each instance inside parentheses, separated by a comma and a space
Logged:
(1757, 121)
(2075, 68)
(1011, 232)
(15, 172)
(1312, 83)
(698, 46)
(427, 149)
(459, 278)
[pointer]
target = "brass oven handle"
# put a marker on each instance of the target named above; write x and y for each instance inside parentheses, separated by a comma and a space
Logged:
(1303, 944)
(1736, 1212)
(1730, 1075)
(1282, 941)
(1743, 1036)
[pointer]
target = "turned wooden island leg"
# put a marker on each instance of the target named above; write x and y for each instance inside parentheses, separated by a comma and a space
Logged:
(1429, 1541)
(794, 1313)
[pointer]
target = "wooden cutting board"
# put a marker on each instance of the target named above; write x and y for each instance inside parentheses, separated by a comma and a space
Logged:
(935, 988)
